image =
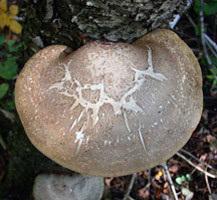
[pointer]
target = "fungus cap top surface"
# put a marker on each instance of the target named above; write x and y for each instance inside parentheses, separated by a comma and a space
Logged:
(65, 187)
(111, 109)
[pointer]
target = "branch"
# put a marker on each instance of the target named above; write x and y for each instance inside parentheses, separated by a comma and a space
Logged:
(195, 166)
(126, 196)
(207, 183)
(170, 181)
(197, 159)
(203, 37)
(211, 44)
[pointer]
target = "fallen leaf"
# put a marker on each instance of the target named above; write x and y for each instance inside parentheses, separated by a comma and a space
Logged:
(15, 26)
(212, 143)
(144, 193)
(213, 196)
(174, 168)
(187, 193)
(157, 190)
(158, 175)
(3, 5)
(108, 181)
(7, 17)
(203, 157)
(13, 9)
(166, 189)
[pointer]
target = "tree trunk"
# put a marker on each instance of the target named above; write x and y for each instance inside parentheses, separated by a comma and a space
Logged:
(64, 21)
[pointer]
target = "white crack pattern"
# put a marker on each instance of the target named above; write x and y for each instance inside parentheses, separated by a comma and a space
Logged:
(119, 107)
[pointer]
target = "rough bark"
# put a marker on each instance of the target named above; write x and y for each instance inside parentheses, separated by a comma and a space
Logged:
(63, 21)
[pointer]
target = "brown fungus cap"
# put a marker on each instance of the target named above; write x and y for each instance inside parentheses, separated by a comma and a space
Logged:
(111, 109)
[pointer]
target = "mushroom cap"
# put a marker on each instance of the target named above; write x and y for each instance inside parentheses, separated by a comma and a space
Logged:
(65, 187)
(111, 109)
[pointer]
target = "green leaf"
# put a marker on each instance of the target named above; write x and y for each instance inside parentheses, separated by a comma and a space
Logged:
(210, 8)
(178, 180)
(197, 6)
(210, 77)
(4, 54)
(2, 39)
(11, 43)
(197, 30)
(214, 83)
(9, 69)
(19, 45)
(183, 179)
(12, 47)
(10, 105)
(3, 89)
(203, 60)
(12, 58)
(214, 71)
(214, 61)
(188, 176)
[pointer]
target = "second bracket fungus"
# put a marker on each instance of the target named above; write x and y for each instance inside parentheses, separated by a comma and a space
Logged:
(64, 187)
(111, 109)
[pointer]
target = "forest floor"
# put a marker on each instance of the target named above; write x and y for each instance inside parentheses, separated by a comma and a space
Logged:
(197, 180)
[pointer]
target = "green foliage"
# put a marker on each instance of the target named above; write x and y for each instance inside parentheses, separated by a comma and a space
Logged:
(213, 72)
(10, 105)
(209, 8)
(12, 47)
(182, 179)
(2, 39)
(197, 29)
(3, 89)
(8, 70)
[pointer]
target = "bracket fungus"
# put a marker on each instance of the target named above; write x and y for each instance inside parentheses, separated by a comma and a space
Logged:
(111, 109)
(65, 187)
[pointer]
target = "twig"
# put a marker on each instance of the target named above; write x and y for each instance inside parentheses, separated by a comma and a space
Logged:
(190, 20)
(149, 180)
(207, 183)
(8, 114)
(196, 167)
(2, 143)
(170, 181)
(126, 196)
(211, 44)
(203, 37)
(210, 41)
(211, 49)
(197, 159)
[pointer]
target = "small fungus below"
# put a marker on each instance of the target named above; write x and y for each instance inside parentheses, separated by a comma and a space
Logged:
(65, 187)
(111, 109)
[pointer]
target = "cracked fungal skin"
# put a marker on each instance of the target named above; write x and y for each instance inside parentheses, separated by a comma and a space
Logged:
(111, 109)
